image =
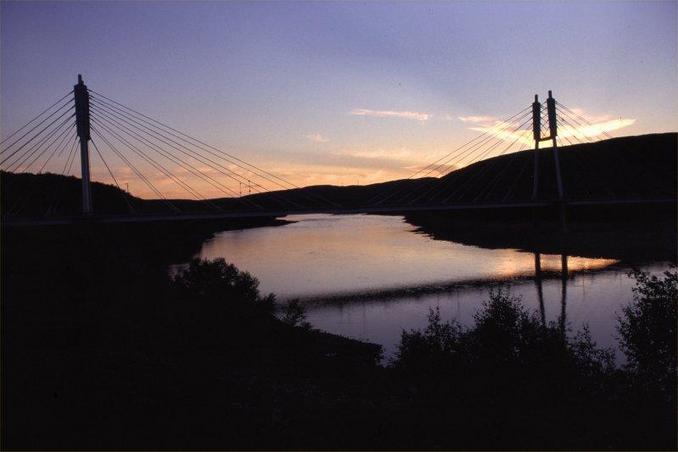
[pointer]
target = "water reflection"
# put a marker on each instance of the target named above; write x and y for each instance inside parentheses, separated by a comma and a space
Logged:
(369, 277)
(328, 255)
(564, 276)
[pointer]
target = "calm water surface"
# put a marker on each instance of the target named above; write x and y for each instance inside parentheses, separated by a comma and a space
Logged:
(358, 275)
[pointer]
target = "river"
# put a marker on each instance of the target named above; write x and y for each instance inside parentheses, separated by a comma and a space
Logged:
(370, 277)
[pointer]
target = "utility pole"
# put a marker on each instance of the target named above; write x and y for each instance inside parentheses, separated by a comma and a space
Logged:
(82, 123)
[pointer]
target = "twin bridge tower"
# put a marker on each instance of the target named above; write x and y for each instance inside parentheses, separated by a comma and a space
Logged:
(82, 116)
(82, 127)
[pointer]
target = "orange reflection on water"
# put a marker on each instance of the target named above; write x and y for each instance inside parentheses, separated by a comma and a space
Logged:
(326, 254)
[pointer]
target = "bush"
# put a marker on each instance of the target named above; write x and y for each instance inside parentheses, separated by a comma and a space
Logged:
(435, 349)
(505, 337)
(647, 329)
(218, 282)
(294, 314)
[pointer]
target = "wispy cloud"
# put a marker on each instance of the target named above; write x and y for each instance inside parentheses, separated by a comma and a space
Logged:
(418, 116)
(585, 127)
(478, 119)
(402, 153)
(316, 138)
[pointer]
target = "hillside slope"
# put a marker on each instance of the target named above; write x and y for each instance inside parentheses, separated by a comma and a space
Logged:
(638, 167)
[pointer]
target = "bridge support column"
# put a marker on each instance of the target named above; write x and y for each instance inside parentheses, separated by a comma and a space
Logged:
(553, 132)
(82, 123)
(536, 131)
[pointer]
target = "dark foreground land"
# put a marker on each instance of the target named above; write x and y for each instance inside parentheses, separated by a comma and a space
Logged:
(102, 350)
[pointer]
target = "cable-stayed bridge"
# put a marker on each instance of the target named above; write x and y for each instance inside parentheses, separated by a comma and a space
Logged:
(115, 143)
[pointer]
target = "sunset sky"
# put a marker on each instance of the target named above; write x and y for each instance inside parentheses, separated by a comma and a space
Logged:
(344, 92)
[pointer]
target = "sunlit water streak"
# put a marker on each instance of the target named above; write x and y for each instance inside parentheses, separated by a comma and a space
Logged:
(350, 257)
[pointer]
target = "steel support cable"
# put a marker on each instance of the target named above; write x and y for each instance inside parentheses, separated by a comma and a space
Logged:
(135, 170)
(569, 118)
(497, 177)
(56, 203)
(163, 139)
(620, 155)
(559, 117)
(484, 194)
(469, 151)
(436, 165)
(435, 186)
(192, 191)
(153, 163)
(201, 158)
(70, 165)
(61, 136)
(579, 160)
(573, 113)
(575, 129)
(60, 147)
(211, 163)
(71, 153)
(441, 162)
(75, 137)
(122, 192)
(136, 135)
(197, 141)
(36, 135)
(515, 182)
(32, 150)
(430, 185)
(9, 186)
(581, 167)
(440, 189)
(270, 177)
(37, 125)
(487, 165)
(177, 160)
(184, 137)
(63, 144)
(587, 164)
(173, 159)
(180, 162)
(481, 155)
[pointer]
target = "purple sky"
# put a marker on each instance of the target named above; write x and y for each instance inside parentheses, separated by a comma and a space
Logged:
(339, 92)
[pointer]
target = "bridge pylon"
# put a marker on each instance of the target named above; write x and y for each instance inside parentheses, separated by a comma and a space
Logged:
(553, 134)
(82, 125)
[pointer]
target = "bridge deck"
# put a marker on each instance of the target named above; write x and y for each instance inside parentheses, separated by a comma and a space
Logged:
(280, 213)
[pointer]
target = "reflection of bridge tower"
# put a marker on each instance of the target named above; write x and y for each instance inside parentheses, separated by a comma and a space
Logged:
(82, 123)
(564, 276)
(553, 133)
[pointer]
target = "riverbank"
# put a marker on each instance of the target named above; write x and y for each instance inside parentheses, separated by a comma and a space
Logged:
(633, 237)
(101, 350)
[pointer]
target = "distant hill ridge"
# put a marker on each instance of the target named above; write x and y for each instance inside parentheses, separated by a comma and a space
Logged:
(636, 167)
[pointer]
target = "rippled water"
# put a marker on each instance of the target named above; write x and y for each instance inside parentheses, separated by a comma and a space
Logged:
(369, 277)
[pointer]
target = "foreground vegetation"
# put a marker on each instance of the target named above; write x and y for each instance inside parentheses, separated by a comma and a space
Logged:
(103, 350)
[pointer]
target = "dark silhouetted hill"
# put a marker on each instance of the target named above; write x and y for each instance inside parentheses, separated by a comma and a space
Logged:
(638, 167)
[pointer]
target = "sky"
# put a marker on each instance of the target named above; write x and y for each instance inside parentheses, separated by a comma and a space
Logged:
(343, 92)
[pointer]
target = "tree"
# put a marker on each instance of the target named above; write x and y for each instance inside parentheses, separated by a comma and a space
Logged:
(647, 329)
(217, 281)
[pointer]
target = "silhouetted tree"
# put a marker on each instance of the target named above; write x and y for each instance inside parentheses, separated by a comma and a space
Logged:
(647, 329)
(217, 280)
(294, 314)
